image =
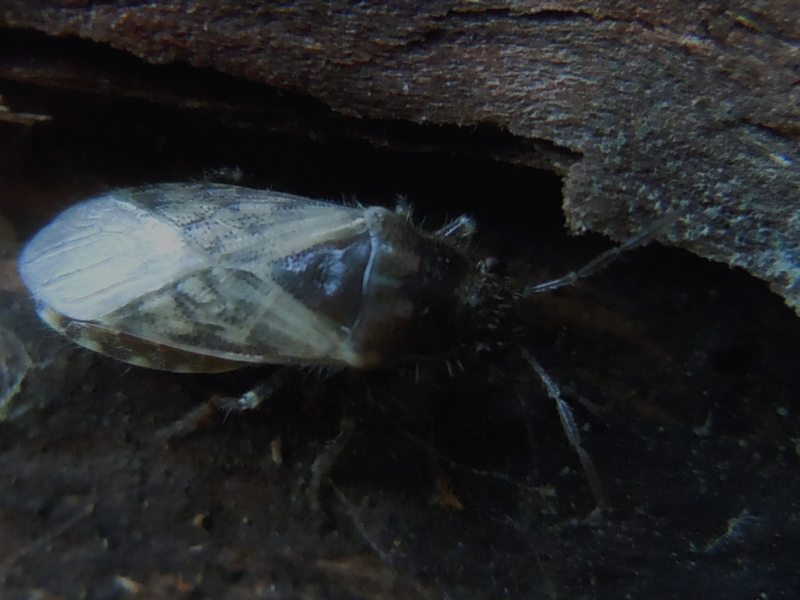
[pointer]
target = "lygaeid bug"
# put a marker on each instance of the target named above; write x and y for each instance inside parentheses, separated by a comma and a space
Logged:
(206, 277)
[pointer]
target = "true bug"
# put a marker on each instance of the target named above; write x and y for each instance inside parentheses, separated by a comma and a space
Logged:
(203, 277)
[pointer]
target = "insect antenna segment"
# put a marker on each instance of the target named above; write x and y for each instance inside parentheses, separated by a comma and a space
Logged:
(603, 260)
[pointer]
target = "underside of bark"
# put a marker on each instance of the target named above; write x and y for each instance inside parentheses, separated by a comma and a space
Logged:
(642, 109)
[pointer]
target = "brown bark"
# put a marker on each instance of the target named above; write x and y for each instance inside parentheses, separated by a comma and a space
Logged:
(641, 107)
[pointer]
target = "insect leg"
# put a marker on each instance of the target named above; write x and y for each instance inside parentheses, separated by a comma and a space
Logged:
(226, 405)
(570, 429)
(462, 227)
(601, 261)
(253, 398)
(323, 464)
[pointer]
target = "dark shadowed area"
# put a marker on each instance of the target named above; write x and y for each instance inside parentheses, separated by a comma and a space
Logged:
(456, 483)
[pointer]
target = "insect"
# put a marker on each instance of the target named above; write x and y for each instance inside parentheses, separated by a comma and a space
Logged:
(203, 277)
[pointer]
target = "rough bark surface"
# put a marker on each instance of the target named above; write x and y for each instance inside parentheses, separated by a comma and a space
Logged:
(642, 108)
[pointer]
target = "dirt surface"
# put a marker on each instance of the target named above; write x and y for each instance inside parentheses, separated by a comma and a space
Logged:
(682, 373)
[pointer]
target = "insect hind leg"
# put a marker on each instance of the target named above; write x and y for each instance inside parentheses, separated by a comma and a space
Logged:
(325, 461)
(571, 430)
(225, 405)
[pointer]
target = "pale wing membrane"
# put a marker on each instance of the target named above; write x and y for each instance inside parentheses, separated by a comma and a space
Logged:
(234, 308)
(103, 254)
(189, 267)
(246, 320)
(234, 226)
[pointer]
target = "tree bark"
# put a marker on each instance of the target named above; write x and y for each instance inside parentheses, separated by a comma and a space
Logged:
(643, 109)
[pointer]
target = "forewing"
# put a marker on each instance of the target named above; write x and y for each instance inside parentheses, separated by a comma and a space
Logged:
(190, 267)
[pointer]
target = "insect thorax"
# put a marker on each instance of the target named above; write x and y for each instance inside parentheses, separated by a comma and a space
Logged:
(414, 297)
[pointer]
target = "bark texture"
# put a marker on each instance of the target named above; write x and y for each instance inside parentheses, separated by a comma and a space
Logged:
(641, 107)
